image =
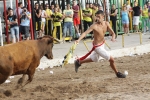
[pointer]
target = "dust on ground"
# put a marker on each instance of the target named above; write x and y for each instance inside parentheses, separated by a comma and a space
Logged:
(94, 81)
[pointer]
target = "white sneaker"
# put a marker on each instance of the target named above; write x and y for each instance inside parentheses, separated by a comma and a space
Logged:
(79, 34)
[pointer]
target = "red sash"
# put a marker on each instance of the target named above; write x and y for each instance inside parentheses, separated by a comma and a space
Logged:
(94, 47)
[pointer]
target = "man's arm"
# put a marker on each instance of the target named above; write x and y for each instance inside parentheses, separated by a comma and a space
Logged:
(110, 31)
(86, 32)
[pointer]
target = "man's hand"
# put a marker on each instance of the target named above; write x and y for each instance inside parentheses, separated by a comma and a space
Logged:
(77, 42)
(113, 40)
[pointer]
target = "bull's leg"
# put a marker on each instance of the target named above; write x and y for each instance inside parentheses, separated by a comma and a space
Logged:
(20, 81)
(31, 71)
(3, 78)
(5, 72)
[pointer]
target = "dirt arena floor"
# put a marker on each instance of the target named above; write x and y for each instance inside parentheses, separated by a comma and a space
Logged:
(94, 81)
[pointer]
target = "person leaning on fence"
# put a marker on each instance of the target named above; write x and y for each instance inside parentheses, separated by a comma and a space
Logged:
(43, 21)
(136, 16)
(48, 27)
(68, 22)
(19, 9)
(57, 19)
(25, 23)
(87, 13)
(145, 19)
(14, 29)
(38, 19)
(125, 19)
(94, 10)
(113, 18)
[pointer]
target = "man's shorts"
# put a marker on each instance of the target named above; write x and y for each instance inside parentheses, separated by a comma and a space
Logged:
(25, 30)
(136, 20)
(99, 52)
(76, 21)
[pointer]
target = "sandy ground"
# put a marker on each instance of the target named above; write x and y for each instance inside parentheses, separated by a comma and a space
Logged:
(94, 81)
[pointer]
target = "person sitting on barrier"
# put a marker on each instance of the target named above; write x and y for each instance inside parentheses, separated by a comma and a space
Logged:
(14, 29)
(125, 19)
(99, 29)
(57, 18)
(25, 23)
(68, 22)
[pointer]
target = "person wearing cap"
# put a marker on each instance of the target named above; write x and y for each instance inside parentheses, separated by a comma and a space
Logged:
(25, 23)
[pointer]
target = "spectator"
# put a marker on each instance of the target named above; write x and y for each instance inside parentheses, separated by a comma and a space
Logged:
(59, 10)
(87, 13)
(48, 28)
(125, 19)
(76, 18)
(38, 19)
(113, 18)
(7, 13)
(91, 5)
(25, 23)
(145, 18)
(100, 7)
(52, 7)
(68, 22)
(136, 16)
(94, 10)
(57, 18)
(19, 9)
(14, 29)
(43, 16)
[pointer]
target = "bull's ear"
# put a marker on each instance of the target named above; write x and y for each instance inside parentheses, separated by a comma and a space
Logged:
(50, 40)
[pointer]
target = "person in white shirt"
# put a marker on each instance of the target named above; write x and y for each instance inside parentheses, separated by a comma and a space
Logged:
(44, 16)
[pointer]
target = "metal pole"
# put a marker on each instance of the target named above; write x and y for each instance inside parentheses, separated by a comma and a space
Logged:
(11, 4)
(33, 19)
(1, 35)
(31, 24)
(44, 4)
(49, 3)
(5, 14)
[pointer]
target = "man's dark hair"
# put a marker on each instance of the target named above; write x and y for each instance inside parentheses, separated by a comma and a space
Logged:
(87, 3)
(20, 3)
(100, 12)
(95, 4)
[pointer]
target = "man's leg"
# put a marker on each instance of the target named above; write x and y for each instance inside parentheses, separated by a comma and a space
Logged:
(79, 62)
(112, 64)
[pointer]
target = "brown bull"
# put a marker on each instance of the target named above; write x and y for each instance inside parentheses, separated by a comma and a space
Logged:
(24, 57)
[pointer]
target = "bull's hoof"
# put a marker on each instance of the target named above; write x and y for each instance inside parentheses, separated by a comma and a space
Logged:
(20, 81)
(8, 93)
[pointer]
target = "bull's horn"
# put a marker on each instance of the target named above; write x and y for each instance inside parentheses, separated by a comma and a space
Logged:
(57, 40)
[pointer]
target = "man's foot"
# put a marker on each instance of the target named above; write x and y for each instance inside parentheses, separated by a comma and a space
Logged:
(120, 75)
(77, 65)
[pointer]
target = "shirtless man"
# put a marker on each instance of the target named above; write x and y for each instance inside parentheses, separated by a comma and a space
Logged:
(99, 29)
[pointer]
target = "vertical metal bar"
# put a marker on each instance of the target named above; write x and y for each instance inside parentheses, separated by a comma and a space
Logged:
(33, 19)
(49, 3)
(5, 14)
(1, 35)
(31, 24)
(44, 4)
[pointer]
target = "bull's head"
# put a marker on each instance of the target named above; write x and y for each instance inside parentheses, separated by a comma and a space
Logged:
(49, 45)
